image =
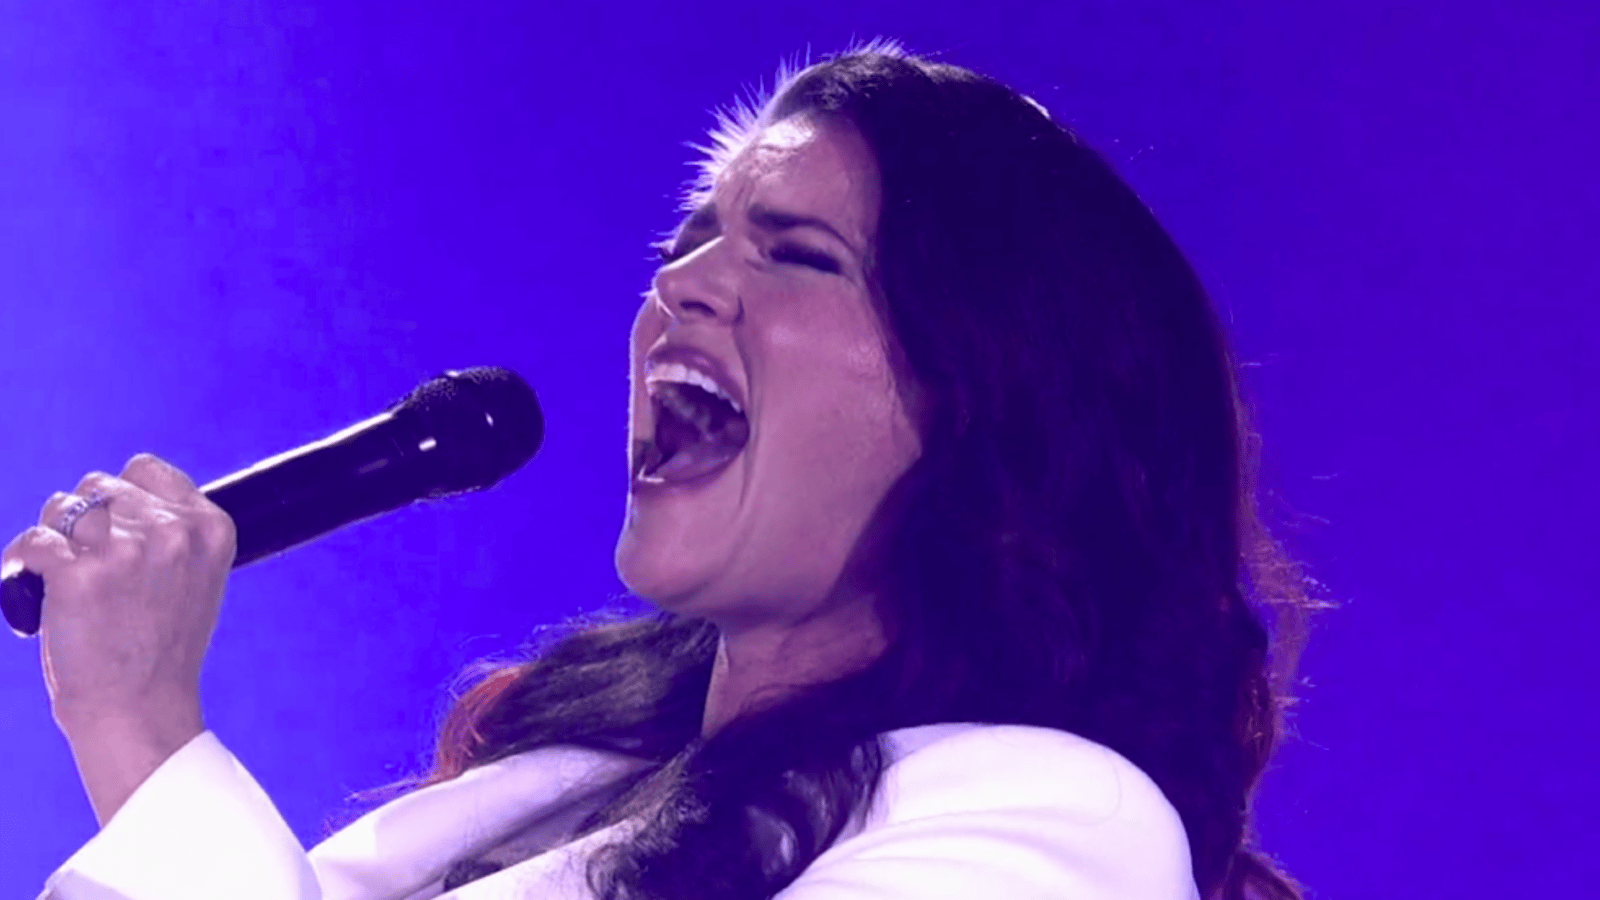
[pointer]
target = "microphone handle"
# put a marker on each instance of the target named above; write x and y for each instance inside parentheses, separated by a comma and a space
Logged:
(22, 601)
(365, 470)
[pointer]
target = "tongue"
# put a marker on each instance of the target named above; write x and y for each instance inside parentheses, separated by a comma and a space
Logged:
(696, 459)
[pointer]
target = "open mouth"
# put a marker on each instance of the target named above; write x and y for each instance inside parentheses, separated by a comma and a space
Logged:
(697, 433)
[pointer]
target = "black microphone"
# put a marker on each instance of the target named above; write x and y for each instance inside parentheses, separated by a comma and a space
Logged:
(463, 431)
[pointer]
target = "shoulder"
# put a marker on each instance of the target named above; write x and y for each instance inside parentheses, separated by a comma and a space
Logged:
(965, 765)
(1004, 810)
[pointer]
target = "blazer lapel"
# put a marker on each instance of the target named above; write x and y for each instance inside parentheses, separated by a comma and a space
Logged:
(401, 849)
(559, 874)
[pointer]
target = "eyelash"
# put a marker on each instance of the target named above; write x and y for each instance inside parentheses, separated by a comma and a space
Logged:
(784, 253)
(805, 256)
(667, 253)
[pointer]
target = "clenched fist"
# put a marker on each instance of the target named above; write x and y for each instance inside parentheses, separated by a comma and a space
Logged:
(131, 601)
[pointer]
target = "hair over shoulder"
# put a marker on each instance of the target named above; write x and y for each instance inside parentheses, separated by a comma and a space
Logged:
(1078, 548)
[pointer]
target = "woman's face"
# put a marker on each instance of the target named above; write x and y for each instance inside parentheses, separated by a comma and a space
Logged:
(751, 520)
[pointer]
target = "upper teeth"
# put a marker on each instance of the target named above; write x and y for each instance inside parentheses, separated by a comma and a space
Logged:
(682, 374)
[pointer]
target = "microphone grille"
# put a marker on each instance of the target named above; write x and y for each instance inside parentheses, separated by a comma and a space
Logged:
(485, 422)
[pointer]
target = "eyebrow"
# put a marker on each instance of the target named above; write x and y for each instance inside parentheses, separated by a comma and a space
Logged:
(768, 219)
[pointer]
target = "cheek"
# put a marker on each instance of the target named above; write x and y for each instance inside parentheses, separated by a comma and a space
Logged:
(837, 435)
(815, 488)
(648, 323)
(833, 373)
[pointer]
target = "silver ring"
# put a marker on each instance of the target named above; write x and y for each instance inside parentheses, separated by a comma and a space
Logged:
(76, 510)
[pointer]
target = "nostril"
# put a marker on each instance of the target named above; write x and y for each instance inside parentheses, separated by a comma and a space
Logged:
(696, 306)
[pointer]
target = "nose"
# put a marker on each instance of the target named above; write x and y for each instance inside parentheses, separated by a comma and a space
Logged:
(702, 285)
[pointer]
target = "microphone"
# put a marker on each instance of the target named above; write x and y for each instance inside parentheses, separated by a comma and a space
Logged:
(461, 432)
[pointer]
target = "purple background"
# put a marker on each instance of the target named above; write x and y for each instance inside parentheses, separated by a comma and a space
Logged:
(227, 229)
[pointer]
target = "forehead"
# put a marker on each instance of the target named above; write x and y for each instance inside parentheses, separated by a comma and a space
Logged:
(806, 166)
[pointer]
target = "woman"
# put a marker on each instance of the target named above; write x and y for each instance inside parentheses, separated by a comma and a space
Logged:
(941, 485)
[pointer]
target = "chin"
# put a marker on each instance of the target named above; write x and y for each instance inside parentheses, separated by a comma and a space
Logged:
(662, 574)
(678, 542)
(700, 585)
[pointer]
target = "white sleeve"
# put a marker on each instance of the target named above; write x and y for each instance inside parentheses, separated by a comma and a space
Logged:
(1013, 813)
(199, 828)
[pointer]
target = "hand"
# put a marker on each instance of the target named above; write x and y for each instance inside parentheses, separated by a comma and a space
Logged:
(131, 602)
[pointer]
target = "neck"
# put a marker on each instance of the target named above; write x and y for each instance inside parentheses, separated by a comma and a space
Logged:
(765, 663)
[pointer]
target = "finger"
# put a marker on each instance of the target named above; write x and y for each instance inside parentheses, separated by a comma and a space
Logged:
(124, 498)
(70, 515)
(161, 478)
(122, 501)
(132, 506)
(39, 549)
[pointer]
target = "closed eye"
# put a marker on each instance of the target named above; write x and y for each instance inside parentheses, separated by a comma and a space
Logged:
(670, 251)
(805, 256)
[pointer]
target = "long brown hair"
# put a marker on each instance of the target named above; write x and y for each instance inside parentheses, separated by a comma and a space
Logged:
(1079, 547)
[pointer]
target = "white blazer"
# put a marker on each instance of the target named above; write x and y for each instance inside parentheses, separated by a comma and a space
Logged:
(966, 812)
